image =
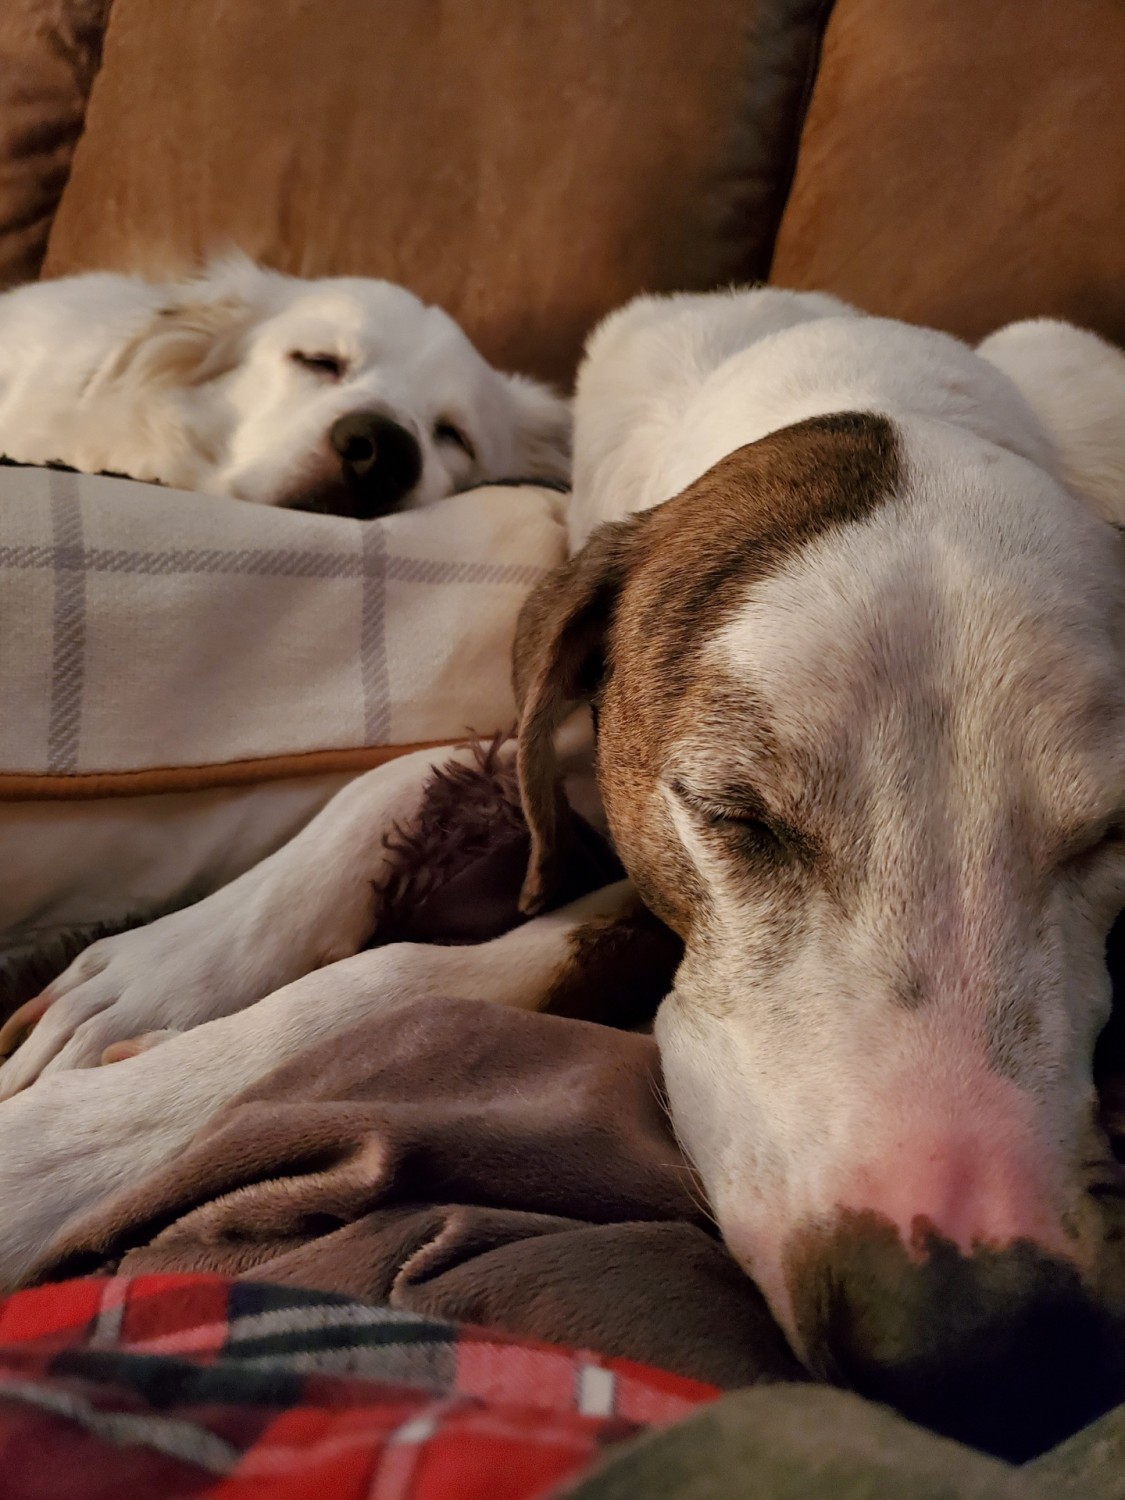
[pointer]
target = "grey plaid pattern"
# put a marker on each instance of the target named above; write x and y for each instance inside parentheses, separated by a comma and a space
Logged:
(256, 632)
(264, 564)
(70, 626)
(373, 637)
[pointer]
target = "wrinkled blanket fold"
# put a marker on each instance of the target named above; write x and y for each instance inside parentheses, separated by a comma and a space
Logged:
(465, 1161)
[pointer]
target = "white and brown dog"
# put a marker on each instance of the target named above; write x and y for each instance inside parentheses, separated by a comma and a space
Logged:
(856, 643)
(345, 395)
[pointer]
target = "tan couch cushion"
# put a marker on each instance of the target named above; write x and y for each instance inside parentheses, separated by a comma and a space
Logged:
(963, 163)
(527, 166)
(48, 54)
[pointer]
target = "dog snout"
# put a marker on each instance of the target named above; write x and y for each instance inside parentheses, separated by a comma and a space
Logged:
(972, 1189)
(1005, 1349)
(381, 461)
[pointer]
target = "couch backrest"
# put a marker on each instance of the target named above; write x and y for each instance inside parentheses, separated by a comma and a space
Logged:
(530, 164)
(527, 164)
(49, 54)
(962, 163)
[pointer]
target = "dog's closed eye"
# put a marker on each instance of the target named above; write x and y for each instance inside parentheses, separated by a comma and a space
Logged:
(330, 366)
(446, 431)
(745, 817)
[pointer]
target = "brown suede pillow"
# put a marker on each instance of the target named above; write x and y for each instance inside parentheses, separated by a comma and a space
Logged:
(527, 166)
(48, 55)
(963, 163)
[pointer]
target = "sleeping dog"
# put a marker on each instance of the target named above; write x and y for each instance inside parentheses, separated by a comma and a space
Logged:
(348, 395)
(848, 598)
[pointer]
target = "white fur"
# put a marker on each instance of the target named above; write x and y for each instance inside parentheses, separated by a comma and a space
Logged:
(305, 906)
(991, 592)
(193, 384)
(990, 589)
(792, 1086)
(308, 904)
(1075, 384)
(672, 385)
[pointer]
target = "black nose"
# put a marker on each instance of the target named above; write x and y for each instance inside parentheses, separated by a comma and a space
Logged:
(1003, 1349)
(381, 461)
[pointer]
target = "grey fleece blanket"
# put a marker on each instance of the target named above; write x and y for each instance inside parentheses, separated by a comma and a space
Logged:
(468, 1162)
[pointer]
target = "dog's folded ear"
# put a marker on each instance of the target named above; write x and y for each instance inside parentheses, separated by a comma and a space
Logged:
(542, 427)
(560, 658)
(199, 333)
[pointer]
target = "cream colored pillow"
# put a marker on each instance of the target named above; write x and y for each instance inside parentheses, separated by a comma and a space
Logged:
(186, 679)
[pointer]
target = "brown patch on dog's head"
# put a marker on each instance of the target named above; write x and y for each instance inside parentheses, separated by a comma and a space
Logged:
(623, 623)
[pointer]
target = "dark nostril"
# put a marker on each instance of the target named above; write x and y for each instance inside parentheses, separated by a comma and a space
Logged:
(359, 453)
(356, 439)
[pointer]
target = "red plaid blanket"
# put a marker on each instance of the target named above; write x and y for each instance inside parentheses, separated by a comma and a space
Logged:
(167, 1386)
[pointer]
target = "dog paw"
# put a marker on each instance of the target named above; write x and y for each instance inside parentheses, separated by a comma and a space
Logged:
(120, 993)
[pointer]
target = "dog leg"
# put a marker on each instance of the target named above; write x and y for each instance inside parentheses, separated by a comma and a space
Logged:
(74, 1138)
(307, 905)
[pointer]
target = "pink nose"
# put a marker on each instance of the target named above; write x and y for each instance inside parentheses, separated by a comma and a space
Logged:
(971, 1191)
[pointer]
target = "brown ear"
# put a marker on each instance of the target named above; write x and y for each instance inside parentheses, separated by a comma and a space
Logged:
(558, 663)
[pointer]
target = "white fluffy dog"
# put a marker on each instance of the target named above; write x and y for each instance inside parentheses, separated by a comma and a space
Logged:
(346, 395)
